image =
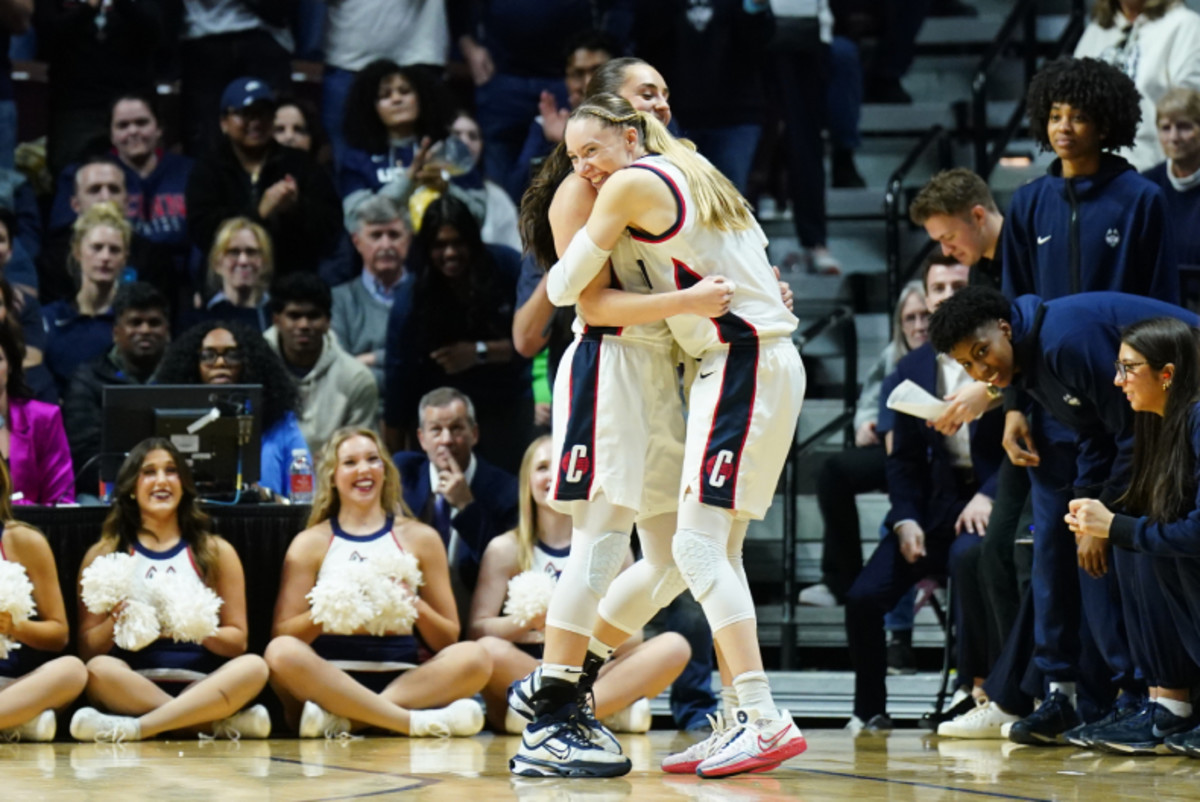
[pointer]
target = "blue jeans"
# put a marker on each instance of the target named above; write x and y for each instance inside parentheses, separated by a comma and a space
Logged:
(504, 107)
(730, 149)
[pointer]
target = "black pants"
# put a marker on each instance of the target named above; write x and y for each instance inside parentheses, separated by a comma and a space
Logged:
(1012, 512)
(209, 64)
(845, 475)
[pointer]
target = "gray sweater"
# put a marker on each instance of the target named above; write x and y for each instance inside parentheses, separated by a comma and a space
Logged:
(360, 322)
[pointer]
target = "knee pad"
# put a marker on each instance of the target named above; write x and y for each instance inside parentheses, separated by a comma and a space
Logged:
(668, 583)
(698, 557)
(605, 556)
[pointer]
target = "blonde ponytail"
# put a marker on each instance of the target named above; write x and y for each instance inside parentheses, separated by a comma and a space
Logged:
(718, 202)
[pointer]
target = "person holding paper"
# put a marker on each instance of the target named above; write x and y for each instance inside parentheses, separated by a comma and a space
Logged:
(941, 488)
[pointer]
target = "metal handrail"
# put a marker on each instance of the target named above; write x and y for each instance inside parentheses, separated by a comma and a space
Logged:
(843, 318)
(894, 195)
(1023, 17)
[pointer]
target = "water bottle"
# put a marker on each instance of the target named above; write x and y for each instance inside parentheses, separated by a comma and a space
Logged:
(300, 478)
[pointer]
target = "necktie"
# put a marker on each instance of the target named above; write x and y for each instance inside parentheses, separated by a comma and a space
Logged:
(441, 518)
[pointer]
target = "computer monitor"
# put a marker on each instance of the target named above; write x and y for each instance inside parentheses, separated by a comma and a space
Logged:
(213, 425)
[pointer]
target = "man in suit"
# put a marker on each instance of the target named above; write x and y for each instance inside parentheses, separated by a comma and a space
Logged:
(941, 489)
(468, 500)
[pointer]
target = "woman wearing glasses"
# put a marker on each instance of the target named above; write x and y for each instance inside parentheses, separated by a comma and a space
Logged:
(240, 266)
(220, 352)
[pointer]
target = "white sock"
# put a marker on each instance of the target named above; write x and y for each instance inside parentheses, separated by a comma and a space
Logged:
(1179, 708)
(729, 700)
(1067, 689)
(600, 648)
(558, 671)
(753, 691)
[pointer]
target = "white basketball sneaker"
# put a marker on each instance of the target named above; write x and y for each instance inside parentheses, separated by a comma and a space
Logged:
(685, 762)
(755, 741)
(559, 745)
(985, 722)
(317, 722)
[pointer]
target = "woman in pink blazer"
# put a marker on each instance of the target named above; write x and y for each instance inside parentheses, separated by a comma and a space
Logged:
(32, 439)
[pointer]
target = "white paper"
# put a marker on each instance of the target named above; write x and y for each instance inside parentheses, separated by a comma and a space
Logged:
(912, 399)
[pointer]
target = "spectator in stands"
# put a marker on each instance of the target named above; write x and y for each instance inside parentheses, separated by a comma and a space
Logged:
(298, 125)
(80, 328)
(584, 53)
(140, 334)
(240, 267)
(361, 306)
(396, 119)
(357, 32)
(249, 174)
(1179, 133)
(467, 499)
(221, 41)
(336, 389)
(1109, 229)
(229, 352)
(23, 314)
(155, 179)
(453, 326)
(96, 51)
(958, 212)
(500, 219)
(32, 441)
(941, 490)
(514, 53)
(639, 670)
(18, 200)
(1157, 44)
(861, 469)
(101, 179)
(15, 16)
(714, 50)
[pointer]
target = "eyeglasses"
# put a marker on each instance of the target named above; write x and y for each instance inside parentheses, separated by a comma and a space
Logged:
(1125, 368)
(232, 356)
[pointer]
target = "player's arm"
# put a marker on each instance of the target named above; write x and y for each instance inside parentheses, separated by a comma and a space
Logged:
(603, 305)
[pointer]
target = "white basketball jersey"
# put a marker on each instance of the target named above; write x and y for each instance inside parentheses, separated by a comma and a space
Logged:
(629, 276)
(688, 252)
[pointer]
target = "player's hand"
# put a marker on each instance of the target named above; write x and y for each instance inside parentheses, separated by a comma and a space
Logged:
(974, 517)
(1018, 440)
(456, 357)
(785, 290)
(966, 404)
(452, 482)
(711, 297)
(912, 541)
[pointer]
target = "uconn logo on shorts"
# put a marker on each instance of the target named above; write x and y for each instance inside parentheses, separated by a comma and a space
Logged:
(575, 465)
(719, 469)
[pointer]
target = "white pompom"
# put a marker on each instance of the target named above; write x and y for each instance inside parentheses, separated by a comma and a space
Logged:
(16, 599)
(400, 566)
(344, 601)
(187, 609)
(398, 577)
(106, 582)
(137, 626)
(529, 595)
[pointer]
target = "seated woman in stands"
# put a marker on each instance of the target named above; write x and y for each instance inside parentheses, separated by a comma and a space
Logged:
(168, 686)
(219, 352)
(29, 698)
(240, 265)
(637, 672)
(334, 682)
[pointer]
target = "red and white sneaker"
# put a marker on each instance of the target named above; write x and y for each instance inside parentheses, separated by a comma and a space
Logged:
(685, 762)
(753, 743)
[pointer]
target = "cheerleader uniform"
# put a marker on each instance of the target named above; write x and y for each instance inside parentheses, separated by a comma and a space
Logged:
(171, 665)
(19, 661)
(373, 660)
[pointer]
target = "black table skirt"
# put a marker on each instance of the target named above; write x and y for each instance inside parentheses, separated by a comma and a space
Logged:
(259, 533)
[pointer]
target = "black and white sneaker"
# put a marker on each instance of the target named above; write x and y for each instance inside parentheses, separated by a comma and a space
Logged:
(559, 745)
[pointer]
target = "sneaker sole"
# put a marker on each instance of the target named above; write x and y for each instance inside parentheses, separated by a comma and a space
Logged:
(531, 767)
(1034, 739)
(691, 766)
(1144, 748)
(764, 762)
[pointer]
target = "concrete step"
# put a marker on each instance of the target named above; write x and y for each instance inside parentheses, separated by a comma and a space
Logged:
(919, 116)
(825, 627)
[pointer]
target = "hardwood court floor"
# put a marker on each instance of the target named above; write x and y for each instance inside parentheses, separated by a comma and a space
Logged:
(905, 766)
